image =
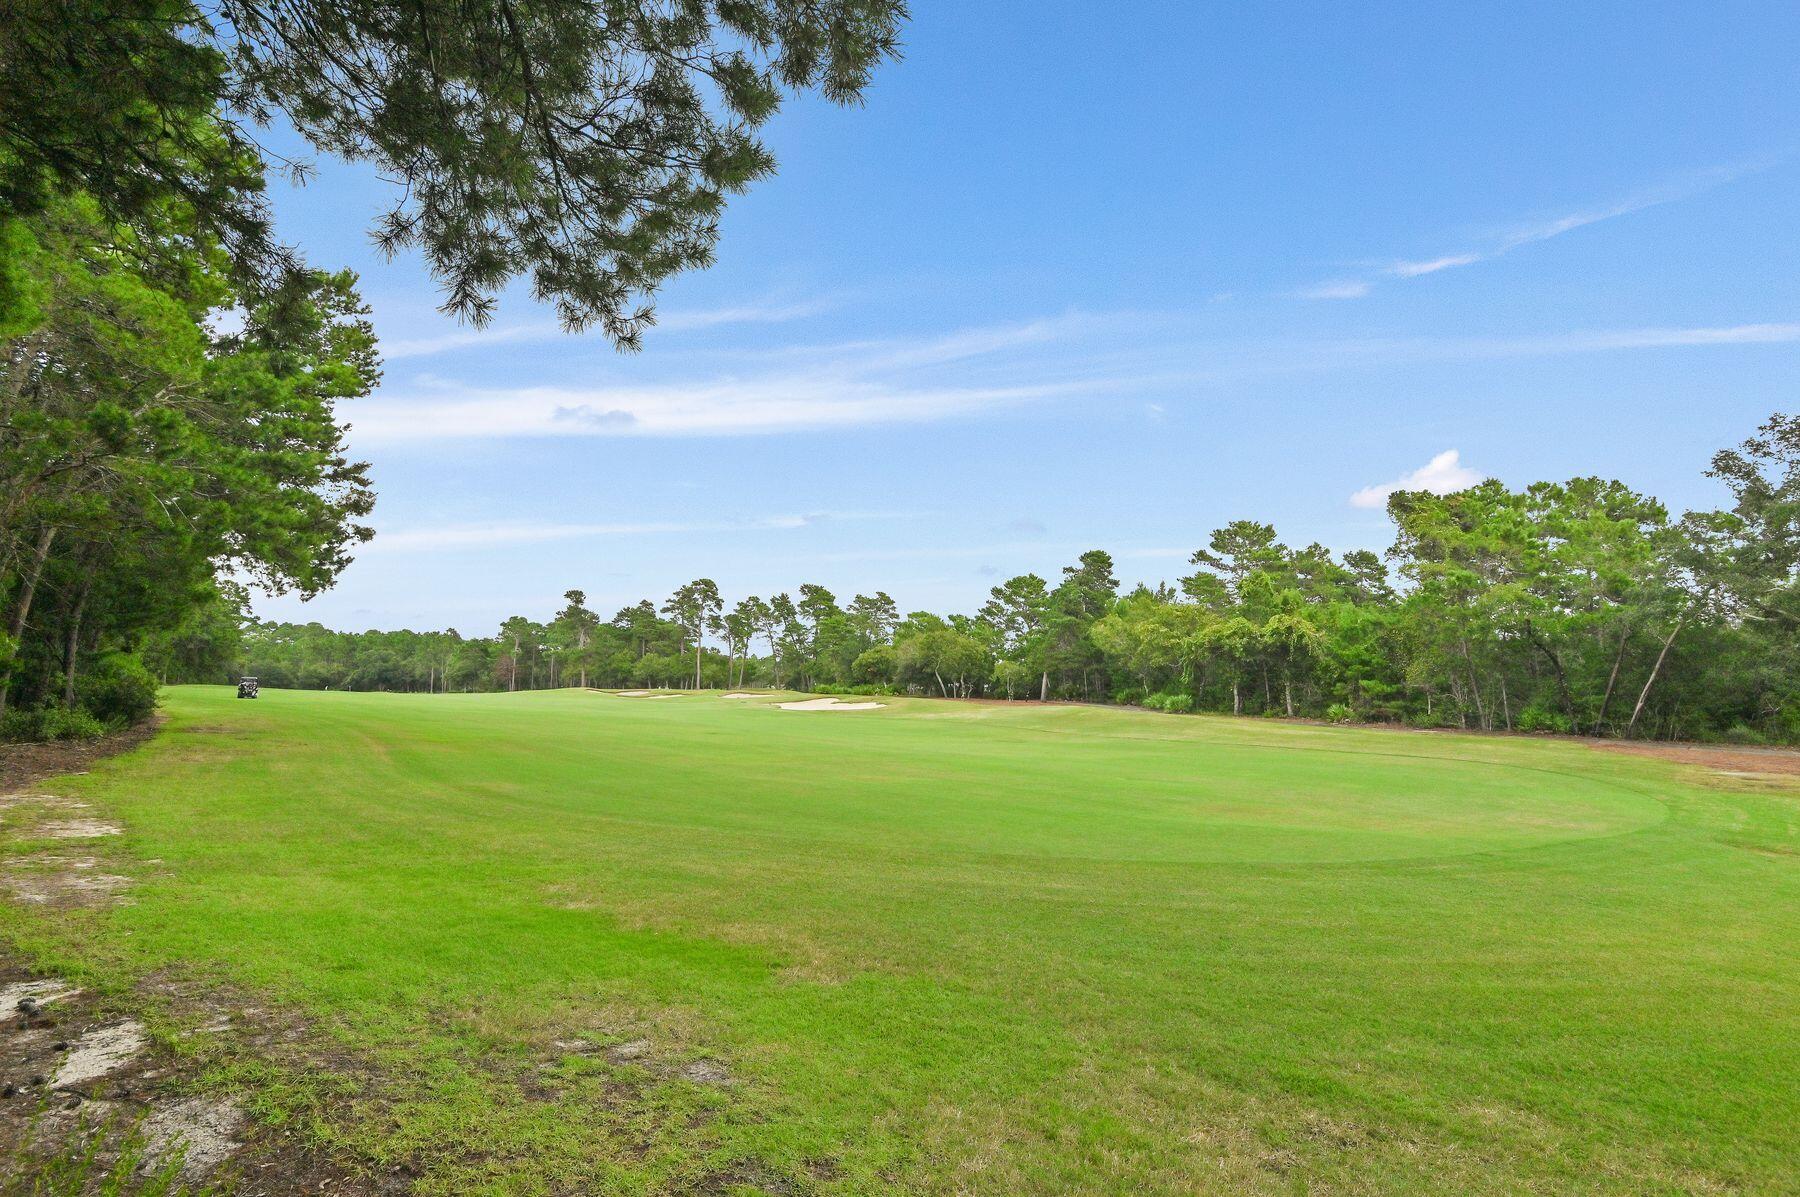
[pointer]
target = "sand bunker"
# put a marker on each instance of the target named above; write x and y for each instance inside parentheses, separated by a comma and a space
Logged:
(642, 694)
(99, 1052)
(830, 704)
(737, 694)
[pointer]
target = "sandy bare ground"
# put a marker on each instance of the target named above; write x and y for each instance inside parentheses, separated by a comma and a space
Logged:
(745, 694)
(1772, 764)
(78, 1072)
(830, 704)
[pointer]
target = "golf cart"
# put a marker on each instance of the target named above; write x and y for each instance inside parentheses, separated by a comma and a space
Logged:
(246, 687)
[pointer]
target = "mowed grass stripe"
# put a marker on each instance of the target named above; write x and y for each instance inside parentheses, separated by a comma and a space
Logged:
(948, 947)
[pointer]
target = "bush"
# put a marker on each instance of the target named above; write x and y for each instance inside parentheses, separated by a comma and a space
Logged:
(1131, 696)
(875, 688)
(1174, 704)
(71, 723)
(118, 690)
(1337, 712)
(1535, 718)
(22, 725)
(1741, 733)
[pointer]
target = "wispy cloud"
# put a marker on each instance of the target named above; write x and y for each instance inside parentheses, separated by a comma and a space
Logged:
(1339, 289)
(1557, 344)
(1432, 265)
(1533, 232)
(401, 348)
(726, 408)
(844, 386)
(486, 534)
(960, 375)
(1442, 475)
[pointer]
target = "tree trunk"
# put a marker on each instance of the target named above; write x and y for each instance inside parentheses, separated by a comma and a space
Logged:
(1237, 700)
(1044, 686)
(940, 682)
(1287, 694)
(1644, 694)
(25, 596)
(1611, 680)
(1475, 689)
(1505, 706)
(72, 646)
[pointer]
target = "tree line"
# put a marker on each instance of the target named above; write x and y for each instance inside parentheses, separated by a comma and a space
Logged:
(170, 372)
(1579, 607)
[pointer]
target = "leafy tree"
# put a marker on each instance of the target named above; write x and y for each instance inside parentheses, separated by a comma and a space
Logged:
(695, 610)
(573, 629)
(590, 146)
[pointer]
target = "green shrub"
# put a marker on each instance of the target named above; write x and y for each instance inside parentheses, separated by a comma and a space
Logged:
(1337, 712)
(1131, 696)
(118, 690)
(22, 726)
(1741, 733)
(70, 723)
(1174, 704)
(1535, 718)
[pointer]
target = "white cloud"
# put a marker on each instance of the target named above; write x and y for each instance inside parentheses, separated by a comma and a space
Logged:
(1338, 289)
(959, 375)
(400, 348)
(482, 535)
(842, 386)
(1543, 230)
(1431, 266)
(1600, 341)
(723, 408)
(1441, 475)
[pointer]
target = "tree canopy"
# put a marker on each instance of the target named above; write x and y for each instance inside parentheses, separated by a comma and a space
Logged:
(587, 144)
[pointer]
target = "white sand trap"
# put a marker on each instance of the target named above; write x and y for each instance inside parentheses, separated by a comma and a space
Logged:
(642, 694)
(41, 992)
(736, 694)
(99, 1052)
(202, 1130)
(830, 704)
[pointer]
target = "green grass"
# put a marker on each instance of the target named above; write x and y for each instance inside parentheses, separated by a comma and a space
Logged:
(969, 948)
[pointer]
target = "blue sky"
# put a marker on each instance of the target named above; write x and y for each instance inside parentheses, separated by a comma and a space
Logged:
(1110, 276)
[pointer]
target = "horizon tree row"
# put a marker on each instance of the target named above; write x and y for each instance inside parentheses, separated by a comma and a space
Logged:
(1579, 606)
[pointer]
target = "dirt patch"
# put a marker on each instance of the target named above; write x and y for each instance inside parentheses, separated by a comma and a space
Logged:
(77, 1078)
(23, 764)
(28, 998)
(101, 1051)
(1780, 765)
(78, 829)
(830, 704)
(202, 1132)
(44, 880)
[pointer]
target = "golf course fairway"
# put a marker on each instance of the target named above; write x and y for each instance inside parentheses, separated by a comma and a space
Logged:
(576, 942)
